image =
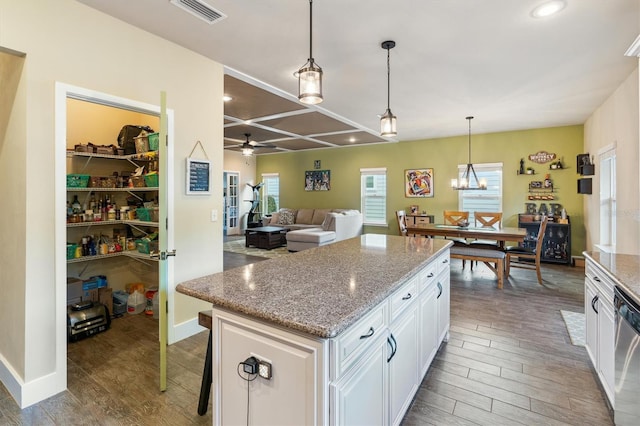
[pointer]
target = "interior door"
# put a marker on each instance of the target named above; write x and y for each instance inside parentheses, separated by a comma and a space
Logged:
(163, 231)
(231, 210)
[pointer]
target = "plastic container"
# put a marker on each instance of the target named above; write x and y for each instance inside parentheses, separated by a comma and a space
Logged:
(77, 181)
(151, 180)
(156, 305)
(149, 294)
(71, 250)
(136, 303)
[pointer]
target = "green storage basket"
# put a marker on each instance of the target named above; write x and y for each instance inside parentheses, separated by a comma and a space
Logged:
(71, 250)
(77, 181)
(154, 138)
(151, 180)
(143, 214)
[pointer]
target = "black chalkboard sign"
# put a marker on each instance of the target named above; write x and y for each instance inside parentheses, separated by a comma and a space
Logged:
(198, 176)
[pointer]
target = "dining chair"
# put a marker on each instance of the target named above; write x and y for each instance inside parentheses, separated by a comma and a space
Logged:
(401, 215)
(453, 217)
(525, 255)
(487, 220)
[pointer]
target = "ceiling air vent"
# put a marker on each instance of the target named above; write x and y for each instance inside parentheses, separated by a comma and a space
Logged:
(200, 9)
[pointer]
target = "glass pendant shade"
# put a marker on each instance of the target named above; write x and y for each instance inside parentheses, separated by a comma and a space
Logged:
(310, 83)
(247, 152)
(310, 75)
(388, 124)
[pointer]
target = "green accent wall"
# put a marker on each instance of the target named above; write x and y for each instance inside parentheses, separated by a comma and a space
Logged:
(442, 155)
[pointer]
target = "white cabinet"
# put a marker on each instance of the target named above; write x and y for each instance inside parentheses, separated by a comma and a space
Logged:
(416, 326)
(403, 358)
(600, 325)
(360, 397)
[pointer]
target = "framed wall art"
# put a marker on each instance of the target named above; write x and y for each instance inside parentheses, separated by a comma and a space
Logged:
(418, 183)
(317, 180)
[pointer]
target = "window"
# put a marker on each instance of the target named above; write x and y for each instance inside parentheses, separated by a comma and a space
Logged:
(373, 196)
(489, 200)
(270, 193)
(607, 159)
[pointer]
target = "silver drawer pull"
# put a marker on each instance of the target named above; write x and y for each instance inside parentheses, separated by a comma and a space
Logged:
(369, 333)
(407, 297)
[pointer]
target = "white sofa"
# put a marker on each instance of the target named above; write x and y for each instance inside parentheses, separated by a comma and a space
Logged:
(317, 227)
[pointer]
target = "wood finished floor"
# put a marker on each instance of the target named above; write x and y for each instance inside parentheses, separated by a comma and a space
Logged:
(509, 361)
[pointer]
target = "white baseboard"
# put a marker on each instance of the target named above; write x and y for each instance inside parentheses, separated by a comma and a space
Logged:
(184, 330)
(26, 394)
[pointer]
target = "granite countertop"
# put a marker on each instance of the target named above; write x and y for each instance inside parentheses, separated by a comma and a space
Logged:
(624, 268)
(320, 291)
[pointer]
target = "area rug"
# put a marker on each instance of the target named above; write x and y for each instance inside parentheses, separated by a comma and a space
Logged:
(237, 246)
(575, 326)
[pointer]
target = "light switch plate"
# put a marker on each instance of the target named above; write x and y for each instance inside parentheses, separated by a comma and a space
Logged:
(214, 215)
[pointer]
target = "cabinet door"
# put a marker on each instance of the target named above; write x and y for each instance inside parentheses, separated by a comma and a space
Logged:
(360, 397)
(606, 346)
(428, 327)
(591, 318)
(443, 303)
(403, 363)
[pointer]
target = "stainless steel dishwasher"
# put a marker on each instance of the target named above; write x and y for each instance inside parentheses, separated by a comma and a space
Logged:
(627, 359)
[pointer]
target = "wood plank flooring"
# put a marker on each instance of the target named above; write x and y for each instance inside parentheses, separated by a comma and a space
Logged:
(509, 361)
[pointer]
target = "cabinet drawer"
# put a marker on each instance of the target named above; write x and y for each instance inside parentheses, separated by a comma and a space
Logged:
(427, 276)
(347, 347)
(422, 219)
(403, 297)
(600, 278)
(442, 262)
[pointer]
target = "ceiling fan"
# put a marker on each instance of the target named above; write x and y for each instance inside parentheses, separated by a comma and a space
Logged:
(249, 146)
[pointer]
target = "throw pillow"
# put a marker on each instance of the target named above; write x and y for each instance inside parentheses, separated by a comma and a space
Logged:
(329, 223)
(287, 217)
(275, 217)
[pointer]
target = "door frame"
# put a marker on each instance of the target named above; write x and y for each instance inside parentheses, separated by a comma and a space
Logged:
(62, 92)
(225, 177)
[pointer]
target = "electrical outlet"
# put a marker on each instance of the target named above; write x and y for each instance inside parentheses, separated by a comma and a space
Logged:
(214, 215)
(265, 369)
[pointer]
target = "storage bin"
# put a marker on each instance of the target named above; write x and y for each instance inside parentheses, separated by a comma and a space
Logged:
(71, 250)
(142, 144)
(143, 214)
(153, 141)
(151, 180)
(146, 246)
(77, 181)
(137, 181)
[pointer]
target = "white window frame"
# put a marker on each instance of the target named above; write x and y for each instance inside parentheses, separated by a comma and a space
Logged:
(607, 198)
(381, 195)
(267, 190)
(490, 193)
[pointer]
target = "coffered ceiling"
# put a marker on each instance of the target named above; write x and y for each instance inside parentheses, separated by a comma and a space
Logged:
(453, 58)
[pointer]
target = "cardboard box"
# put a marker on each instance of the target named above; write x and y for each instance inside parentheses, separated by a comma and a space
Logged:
(105, 296)
(90, 295)
(74, 290)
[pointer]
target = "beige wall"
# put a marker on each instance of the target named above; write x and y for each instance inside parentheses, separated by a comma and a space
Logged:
(77, 45)
(616, 122)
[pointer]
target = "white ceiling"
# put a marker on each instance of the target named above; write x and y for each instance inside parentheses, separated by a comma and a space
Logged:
(453, 58)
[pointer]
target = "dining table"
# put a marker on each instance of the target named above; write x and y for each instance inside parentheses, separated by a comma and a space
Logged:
(500, 235)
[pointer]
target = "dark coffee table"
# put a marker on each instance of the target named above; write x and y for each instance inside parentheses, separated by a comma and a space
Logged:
(266, 237)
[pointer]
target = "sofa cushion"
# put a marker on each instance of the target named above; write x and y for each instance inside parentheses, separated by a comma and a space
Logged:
(315, 235)
(319, 216)
(275, 217)
(286, 217)
(329, 223)
(304, 216)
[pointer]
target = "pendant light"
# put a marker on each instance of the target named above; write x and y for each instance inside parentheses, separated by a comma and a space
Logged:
(310, 75)
(247, 148)
(388, 120)
(464, 183)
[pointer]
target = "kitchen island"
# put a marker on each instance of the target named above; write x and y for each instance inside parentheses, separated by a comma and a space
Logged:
(346, 331)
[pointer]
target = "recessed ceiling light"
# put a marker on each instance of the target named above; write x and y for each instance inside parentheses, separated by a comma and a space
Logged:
(352, 139)
(548, 8)
(226, 98)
